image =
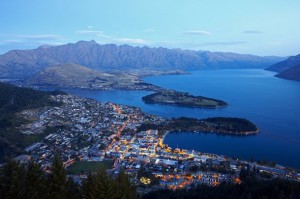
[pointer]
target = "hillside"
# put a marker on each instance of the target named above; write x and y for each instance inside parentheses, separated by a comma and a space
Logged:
(285, 64)
(25, 63)
(73, 75)
(229, 60)
(291, 73)
(12, 100)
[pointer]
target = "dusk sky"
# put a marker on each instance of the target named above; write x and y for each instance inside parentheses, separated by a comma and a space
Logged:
(260, 27)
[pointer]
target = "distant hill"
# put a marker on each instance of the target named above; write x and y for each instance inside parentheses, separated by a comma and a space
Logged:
(77, 76)
(66, 75)
(69, 75)
(216, 60)
(287, 69)
(12, 100)
(285, 64)
(22, 64)
(291, 73)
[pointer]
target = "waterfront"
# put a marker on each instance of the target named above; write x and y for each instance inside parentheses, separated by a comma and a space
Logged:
(271, 103)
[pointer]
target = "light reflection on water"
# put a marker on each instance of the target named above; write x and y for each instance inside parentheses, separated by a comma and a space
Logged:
(273, 104)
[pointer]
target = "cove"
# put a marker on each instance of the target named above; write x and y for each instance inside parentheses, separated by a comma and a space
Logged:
(271, 103)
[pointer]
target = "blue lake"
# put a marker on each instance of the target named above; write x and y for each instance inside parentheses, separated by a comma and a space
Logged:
(273, 104)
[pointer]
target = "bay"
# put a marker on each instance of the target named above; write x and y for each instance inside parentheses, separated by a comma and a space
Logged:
(273, 104)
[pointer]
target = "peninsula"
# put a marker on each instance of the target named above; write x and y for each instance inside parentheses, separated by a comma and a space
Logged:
(220, 125)
(171, 97)
(225, 125)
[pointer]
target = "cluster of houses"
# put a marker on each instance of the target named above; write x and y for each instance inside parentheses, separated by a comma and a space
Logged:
(86, 130)
(80, 129)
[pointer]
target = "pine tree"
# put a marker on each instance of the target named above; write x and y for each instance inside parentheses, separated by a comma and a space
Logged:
(35, 181)
(73, 189)
(57, 180)
(123, 188)
(12, 180)
(98, 185)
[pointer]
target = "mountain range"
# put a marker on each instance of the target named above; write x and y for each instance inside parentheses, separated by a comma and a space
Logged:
(23, 64)
(287, 69)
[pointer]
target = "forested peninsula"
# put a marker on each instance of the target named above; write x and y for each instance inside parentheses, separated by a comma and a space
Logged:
(223, 125)
(171, 97)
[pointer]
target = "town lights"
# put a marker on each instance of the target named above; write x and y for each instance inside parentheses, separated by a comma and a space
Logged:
(145, 181)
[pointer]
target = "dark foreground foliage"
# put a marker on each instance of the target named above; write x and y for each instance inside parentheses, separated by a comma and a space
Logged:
(30, 182)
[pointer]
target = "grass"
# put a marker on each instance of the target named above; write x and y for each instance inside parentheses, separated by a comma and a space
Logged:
(89, 166)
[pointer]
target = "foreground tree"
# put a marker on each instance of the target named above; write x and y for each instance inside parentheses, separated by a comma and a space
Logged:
(12, 180)
(124, 189)
(98, 185)
(59, 186)
(35, 185)
(28, 181)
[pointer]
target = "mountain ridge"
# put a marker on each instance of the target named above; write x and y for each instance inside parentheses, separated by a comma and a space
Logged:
(291, 73)
(110, 57)
(287, 69)
(285, 64)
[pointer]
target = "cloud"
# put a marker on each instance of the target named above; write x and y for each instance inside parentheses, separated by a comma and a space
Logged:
(132, 41)
(149, 30)
(42, 36)
(275, 43)
(89, 32)
(21, 41)
(51, 43)
(104, 38)
(32, 37)
(198, 45)
(12, 41)
(252, 32)
(197, 32)
(223, 43)
(90, 27)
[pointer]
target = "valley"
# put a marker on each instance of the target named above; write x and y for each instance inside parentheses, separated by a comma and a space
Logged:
(149, 99)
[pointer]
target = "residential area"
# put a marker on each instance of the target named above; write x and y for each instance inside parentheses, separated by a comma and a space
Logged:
(84, 130)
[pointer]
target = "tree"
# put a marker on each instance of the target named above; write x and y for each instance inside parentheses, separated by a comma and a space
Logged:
(73, 189)
(35, 185)
(98, 185)
(57, 180)
(12, 180)
(123, 187)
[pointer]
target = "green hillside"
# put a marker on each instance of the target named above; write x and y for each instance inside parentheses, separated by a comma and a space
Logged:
(12, 100)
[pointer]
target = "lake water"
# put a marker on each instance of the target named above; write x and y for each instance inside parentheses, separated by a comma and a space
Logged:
(273, 104)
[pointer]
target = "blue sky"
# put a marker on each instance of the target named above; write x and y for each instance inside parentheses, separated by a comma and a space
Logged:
(261, 27)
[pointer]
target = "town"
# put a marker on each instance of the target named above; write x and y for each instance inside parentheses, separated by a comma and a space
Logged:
(84, 130)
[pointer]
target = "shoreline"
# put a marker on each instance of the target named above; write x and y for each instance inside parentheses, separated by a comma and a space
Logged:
(183, 99)
(248, 133)
(186, 106)
(164, 136)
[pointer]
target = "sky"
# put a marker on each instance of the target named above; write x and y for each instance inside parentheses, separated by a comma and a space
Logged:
(259, 27)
